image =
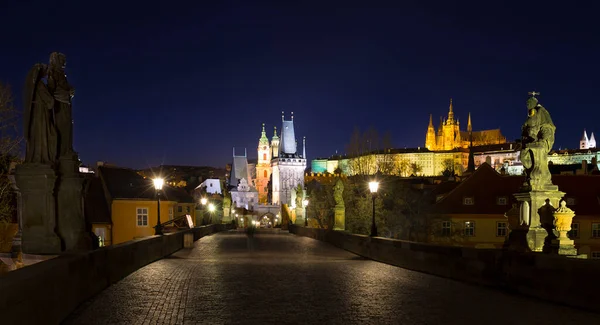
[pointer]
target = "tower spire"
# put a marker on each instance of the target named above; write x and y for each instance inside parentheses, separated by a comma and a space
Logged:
(450, 112)
(430, 120)
(469, 126)
(304, 147)
(282, 116)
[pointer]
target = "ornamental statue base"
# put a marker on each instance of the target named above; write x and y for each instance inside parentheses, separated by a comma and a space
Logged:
(299, 217)
(36, 184)
(340, 218)
(71, 220)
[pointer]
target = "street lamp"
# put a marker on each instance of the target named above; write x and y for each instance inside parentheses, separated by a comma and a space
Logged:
(305, 203)
(158, 184)
(373, 186)
(203, 201)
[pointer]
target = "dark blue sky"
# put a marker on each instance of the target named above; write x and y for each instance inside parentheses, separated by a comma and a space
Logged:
(181, 83)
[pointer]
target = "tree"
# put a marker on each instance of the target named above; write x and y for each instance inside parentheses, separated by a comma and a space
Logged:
(322, 203)
(415, 168)
(369, 153)
(448, 167)
(9, 151)
(402, 167)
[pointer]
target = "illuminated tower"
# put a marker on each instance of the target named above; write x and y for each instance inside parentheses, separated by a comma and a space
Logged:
(263, 166)
(430, 137)
(288, 167)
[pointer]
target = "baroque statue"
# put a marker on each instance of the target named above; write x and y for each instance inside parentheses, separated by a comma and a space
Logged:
(536, 142)
(48, 124)
(338, 190)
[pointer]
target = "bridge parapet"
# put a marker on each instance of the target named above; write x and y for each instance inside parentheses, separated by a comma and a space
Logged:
(47, 292)
(554, 278)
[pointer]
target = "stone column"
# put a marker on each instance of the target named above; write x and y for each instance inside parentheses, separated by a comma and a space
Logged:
(563, 217)
(70, 219)
(340, 217)
(36, 183)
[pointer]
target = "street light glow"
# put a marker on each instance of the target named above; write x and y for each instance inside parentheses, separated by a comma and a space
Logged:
(305, 202)
(158, 183)
(203, 201)
(373, 186)
(211, 207)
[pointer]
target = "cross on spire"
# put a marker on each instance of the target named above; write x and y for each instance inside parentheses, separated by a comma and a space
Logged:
(533, 93)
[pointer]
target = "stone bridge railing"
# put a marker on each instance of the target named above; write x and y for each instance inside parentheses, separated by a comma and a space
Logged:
(555, 278)
(47, 292)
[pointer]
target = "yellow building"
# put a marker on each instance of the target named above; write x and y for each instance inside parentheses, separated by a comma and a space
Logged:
(449, 136)
(131, 205)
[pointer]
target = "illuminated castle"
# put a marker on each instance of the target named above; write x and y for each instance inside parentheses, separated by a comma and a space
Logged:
(449, 136)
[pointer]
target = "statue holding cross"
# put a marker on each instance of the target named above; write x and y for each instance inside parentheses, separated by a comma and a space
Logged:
(537, 141)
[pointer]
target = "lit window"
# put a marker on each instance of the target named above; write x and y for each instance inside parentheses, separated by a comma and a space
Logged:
(446, 228)
(501, 200)
(468, 200)
(470, 228)
(595, 255)
(595, 230)
(142, 217)
(574, 233)
(501, 229)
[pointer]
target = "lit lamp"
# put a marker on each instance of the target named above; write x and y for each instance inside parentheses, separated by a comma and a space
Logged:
(158, 184)
(211, 209)
(373, 186)
(305, 203)
(203, 201)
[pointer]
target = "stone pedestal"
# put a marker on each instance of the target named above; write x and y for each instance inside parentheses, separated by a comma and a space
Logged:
(340, 218)
(299, 217)
(563, 218)
(70, 219)
(535, 218)
(36, 183)
(226, 211)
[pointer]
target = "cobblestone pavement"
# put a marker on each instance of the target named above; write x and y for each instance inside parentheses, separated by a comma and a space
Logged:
(279, 278)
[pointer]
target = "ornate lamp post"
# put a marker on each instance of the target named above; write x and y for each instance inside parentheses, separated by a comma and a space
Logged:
(373, 186)
(305, 203)
(158, 184)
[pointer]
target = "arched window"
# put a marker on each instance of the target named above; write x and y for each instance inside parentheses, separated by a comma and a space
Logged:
(265, 173)
(264, 158)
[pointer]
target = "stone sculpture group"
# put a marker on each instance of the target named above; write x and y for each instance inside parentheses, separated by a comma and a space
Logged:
(49, 181)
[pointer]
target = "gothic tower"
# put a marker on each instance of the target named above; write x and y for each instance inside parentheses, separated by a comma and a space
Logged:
(584, 142)
(430, 137)
(275, 143)
(263, 166)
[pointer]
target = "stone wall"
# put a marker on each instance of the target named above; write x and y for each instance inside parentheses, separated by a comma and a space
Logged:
(555, 278)
(47, 292)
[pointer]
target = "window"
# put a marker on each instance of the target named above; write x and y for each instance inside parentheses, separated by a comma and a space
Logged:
(446, 228)
(180, 209)
(142, 217)
(501, 229)
(468, 200)
(574, 233)
(501, 200)
(265, 174)
(470, 228)
(170, 213)
(595, 255)
(264, 156)
(595, 230)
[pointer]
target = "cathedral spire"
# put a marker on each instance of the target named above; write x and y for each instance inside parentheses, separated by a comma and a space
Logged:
(450, 112)
(430, 120)
(469, 126)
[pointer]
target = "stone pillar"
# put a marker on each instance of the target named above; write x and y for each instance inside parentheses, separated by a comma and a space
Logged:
(226, 211)
(535, 219)
(340, 218)
(299, 217)
(70, 219)
(36, 183)
(563, 217)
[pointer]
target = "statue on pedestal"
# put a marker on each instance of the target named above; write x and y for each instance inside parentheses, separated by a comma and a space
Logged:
(339, 222)
(537, 141)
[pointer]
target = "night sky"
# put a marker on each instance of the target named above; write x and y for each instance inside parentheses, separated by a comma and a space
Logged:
(175, 82)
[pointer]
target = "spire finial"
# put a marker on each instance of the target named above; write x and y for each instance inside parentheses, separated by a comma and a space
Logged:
(263, 127)
(450, 112)
(304, 147)
(282, 116)
(430, 120)
(469, 126)
(292, 116)
(533, 93)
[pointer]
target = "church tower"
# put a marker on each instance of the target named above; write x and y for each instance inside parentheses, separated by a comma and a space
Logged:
(430, 137)
(592, 142)
(583, 143)
(288, 167)
(449, 129)
(263, 166)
